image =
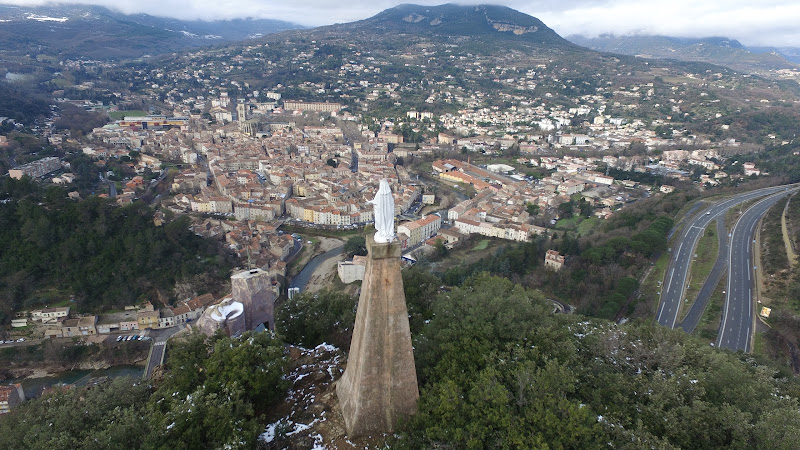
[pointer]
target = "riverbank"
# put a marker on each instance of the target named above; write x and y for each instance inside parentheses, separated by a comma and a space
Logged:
(311, 249)
(317, 272)
(323, 275)
(56, 356)
(34, 386)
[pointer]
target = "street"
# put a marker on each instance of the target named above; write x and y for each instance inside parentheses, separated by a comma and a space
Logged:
(159, 347)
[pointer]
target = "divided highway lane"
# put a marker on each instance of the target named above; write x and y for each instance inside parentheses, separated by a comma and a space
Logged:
(677, 273)
(720, 267)
(737, 316)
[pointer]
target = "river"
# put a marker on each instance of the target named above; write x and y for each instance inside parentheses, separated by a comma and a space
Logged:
(301, 279)
(33, 386)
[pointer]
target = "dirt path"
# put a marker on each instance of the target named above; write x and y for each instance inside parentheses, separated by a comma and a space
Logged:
(787, 242)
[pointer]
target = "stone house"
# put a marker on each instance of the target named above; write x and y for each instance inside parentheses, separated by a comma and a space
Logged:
(554, 260)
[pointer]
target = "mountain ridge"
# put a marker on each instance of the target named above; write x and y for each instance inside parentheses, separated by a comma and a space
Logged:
(715, 50)
(96, 32)
(454, 21)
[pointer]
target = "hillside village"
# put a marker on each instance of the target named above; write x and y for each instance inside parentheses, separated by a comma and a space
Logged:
(251, 161)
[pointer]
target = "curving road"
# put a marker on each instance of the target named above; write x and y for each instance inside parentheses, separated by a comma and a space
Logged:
(737, 317)
(675, 278)
(695, 313)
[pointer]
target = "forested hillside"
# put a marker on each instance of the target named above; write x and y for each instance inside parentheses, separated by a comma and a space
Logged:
(21, 106)
(603, 267)
(497, 369)
(106, 256)
(212, 396)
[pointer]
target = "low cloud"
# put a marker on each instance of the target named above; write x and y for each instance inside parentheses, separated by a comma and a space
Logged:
(767, 22)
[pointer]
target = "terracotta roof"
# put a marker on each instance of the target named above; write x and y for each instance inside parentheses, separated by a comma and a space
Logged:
(5, 391)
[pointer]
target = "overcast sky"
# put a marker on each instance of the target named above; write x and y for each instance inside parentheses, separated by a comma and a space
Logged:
(753, 22)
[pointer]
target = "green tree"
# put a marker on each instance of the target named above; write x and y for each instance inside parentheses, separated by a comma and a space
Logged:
(565, 210)
(356, 245)
(209, 394)
(440, 249)
(310, 319)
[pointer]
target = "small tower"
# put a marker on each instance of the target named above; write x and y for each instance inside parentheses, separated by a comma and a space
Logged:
(253, 288)
(241, 112)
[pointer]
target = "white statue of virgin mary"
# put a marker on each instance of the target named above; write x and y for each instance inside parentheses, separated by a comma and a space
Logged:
(384, 213)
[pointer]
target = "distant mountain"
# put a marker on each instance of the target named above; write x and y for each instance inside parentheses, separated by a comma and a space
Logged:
(791, 54)
(487, 23)
(82, 31)
(715, 50)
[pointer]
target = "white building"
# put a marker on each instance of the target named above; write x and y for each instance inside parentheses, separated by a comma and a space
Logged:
(350, 271)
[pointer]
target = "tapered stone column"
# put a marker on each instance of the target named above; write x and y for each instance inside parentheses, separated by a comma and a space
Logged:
(379, 385)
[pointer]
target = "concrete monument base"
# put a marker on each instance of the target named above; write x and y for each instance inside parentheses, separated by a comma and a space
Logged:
(379, 385)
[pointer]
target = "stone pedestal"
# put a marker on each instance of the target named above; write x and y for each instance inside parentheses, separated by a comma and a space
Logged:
(379, 385)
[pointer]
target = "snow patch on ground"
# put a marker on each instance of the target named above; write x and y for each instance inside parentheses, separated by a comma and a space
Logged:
(45, 18)
(310, 401)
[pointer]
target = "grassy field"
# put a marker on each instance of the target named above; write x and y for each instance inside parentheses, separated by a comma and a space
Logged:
(706, 251)
(469, 251)
(587, 225)
(774, 259)
(651, 284)
(50, 297)
(482, 245)
(759, 345)
(116, 115)
(568, 224)
(583, 225)
(708, 328)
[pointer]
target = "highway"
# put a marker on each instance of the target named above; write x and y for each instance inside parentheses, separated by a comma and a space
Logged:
(737, 317)
(720, 266)
(675, 278)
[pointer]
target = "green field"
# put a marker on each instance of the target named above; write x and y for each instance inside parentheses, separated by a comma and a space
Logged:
(482, 245)
(587, 225)
(651, 285)
(582, 225)
(709, 323)
(568, 224)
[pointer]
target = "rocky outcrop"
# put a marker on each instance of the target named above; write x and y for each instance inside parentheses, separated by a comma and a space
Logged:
(516, 29)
